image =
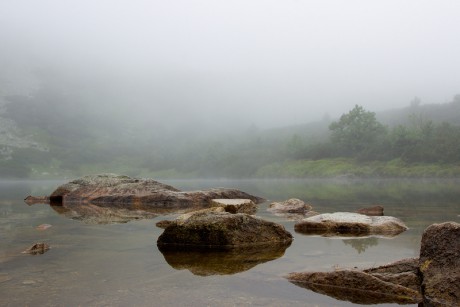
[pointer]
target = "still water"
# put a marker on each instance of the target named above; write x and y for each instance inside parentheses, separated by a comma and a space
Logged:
(119, 264)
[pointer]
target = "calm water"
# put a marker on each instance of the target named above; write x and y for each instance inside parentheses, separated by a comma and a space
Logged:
(119, 264)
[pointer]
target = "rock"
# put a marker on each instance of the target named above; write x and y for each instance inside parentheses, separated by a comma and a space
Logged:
(127, 192)
(221, 262)
(222, 230)
(236, 205)
(31, 200)
(292, 205)
(183, 217)
(403, 272)
(350, 224)
(37, 249)
(293, 208)
(371, 211)
(356, 286)
(440, 264)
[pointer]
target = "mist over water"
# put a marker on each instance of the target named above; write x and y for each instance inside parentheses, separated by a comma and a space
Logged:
(220, 63)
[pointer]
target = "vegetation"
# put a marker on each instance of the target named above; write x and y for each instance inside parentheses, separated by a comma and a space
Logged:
(80, 140)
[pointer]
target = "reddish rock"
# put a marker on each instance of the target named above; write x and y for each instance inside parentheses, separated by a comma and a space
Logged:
(356, 286)
(127, 192)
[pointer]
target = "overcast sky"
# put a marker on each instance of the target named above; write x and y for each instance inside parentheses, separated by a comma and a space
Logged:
(271, 63)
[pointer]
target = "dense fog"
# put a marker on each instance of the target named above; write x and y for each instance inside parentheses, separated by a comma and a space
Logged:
(268, 63)
(228, 88)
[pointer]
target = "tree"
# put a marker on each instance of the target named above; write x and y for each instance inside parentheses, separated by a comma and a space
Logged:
(358, 134)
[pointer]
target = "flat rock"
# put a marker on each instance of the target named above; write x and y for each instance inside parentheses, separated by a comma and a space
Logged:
(236, 205)
(356, 286)
(119, 189)
(350, 224)
(440, 264)
(222, 230)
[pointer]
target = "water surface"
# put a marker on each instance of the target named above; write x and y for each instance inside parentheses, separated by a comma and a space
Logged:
(119, 264)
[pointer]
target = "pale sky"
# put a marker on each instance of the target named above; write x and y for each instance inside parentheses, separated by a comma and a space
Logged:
(266, 62)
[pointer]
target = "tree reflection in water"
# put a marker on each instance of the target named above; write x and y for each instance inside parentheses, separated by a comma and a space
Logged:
(362, 244)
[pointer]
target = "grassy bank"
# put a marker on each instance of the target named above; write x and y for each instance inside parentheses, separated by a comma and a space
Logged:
(328, 168)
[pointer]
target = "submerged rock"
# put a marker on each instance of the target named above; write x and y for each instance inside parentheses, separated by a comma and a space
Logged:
(222, 230)
(440, 264)
(350, 224)
(221, 262)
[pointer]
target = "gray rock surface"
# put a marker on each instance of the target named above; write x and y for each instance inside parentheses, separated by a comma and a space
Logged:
(350, 224)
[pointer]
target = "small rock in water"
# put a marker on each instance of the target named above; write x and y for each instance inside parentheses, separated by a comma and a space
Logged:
(37, 249)
(43, 226)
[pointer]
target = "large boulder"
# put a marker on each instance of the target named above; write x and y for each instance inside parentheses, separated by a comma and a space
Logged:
(124, 191)
(222, 230)
(350, 224)
(440, 264)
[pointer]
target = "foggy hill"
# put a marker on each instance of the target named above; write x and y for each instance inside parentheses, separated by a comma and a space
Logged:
(443, 112)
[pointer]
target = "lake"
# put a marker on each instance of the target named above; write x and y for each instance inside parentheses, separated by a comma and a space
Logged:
(119, 264)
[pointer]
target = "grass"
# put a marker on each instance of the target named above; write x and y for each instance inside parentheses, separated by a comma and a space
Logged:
(331, 168)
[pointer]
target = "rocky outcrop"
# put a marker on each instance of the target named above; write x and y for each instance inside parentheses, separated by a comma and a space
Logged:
(433, 279)
(440, 264)
(222, 230)
(110, 189)
(292, 208)
(350, 224)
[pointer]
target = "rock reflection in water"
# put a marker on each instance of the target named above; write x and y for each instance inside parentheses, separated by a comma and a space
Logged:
(99, 214)
(206, 262)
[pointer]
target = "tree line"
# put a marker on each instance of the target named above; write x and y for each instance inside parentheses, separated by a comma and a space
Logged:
(359, 135)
